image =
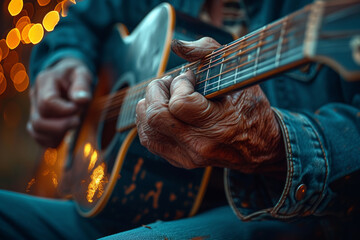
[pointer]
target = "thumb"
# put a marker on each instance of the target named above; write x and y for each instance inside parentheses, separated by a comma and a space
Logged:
(194, 50)
(80, 89)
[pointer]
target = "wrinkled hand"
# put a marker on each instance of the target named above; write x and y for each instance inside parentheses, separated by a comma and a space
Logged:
(237, 131)
(58, 96)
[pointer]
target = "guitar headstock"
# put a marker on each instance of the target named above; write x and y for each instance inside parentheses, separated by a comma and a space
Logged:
(333, 36)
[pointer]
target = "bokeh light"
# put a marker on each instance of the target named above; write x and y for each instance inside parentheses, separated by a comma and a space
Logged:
(50, 20)
(22, 22)
(27, 29)
(36, 33)
(13, 38)
(2, 83)
(21, 81)
(15, 7)
(43, 2)
(25, 33)
(17, 67)
(4, 48)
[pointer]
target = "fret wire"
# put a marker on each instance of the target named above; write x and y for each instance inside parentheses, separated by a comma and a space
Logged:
(289, 55)
(233, 46)
(221, 68)
(248, 36)
(242, 53)
(248, 50)
(285, 57)
(253, 34)
(207, 75)
(236, 47)
(258, 49)
(278, 51)
(146, 83)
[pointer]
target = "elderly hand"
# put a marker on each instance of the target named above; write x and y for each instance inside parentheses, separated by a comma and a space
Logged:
(58, 96)
(238, 130)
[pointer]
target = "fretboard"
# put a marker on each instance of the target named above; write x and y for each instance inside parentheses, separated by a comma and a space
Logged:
(248, 60)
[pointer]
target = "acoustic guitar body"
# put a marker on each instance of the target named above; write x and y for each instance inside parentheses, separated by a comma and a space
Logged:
(107, 171)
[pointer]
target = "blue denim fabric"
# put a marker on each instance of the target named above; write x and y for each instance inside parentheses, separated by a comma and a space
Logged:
(317, 110)
(321, 135)
(221, 223)
(319, 114)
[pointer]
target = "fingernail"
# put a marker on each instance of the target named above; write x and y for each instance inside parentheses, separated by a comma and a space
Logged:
(81, 95)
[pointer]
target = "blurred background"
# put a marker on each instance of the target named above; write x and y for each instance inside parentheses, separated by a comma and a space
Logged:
(23, 25)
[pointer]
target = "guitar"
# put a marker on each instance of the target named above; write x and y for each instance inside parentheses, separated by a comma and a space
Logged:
(109, 173)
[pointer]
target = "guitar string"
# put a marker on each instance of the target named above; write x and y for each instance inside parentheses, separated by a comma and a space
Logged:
(248, 44)
(235, 46)
(263, 56)
(240, 42)
(139, 87)
(133, 103)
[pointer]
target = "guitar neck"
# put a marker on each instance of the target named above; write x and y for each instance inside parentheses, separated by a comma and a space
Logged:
(275, 48)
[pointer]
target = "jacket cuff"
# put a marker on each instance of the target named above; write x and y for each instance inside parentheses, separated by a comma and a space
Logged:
(259, 197)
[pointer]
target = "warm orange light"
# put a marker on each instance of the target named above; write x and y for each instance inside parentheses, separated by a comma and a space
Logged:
(30, 183)
(25, 33)
(60, 8)
(50, 20)
(96, 182)
(43, 2)
(55, 181)
(2, 83)
(50, 156)
(36, 33)
(13, 38)
(93, 159)
(20, 77)
(15, 7)
(87, 149)
(22, 22)
(4, 48)
(15, 69)
(23, 85)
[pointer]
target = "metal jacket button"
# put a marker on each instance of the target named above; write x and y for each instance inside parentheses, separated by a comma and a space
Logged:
(300, 192)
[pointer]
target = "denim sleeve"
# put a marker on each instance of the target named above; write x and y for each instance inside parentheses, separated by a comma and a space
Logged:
(322, 154)
(81, 34)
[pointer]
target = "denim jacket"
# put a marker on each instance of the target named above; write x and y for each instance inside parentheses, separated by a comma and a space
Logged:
(318, 111)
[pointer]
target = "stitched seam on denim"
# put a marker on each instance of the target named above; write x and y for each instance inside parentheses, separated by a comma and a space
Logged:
(326, 171)
(308, 124)
(275, 211)
(228, 194)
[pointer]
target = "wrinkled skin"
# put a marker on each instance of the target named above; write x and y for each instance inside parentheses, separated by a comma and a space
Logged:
(58, 97)
(237, 130)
